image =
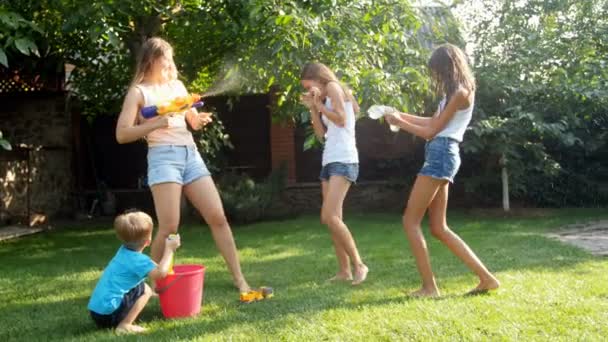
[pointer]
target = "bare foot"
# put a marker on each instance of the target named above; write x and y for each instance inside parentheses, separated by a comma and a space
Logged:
(129, 329)
(485, 286)
(360, 274)
(242, 285)
(341, 276)
(426, 293)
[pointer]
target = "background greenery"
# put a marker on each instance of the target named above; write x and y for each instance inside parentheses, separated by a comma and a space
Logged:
(540, 65)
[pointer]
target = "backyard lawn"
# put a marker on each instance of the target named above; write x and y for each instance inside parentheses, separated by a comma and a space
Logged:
(550, 291)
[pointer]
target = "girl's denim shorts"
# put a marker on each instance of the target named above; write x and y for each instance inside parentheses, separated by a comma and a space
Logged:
(350, 171)
(175, 164)
(441, 159)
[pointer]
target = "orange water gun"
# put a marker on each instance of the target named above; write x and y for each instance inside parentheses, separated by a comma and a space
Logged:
(172, 237)
(178, 104)
(255, 295)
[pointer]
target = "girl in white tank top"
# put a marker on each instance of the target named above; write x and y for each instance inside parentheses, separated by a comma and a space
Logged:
(443, 132)
(340, 143)
(334, 124)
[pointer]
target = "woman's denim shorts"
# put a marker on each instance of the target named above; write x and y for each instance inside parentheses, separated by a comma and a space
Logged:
(441, 159)
(175, 164)
(350, 171)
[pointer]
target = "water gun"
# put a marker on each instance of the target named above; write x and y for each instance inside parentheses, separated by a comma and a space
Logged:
(255, 295)
(178, 104)
(171, 237)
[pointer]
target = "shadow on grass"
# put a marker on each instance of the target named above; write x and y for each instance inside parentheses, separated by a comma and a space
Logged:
(52, 320)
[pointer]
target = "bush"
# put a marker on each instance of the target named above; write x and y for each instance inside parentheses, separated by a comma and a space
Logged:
(245, 200)
(541, 101)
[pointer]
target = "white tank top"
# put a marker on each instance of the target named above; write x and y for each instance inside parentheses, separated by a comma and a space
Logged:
(340, 143)
(177, 133)
(458, 125)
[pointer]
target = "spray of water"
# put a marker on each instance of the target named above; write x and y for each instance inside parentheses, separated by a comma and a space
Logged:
(230, 83)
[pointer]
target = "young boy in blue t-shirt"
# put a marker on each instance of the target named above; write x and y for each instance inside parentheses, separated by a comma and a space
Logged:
(121, 293)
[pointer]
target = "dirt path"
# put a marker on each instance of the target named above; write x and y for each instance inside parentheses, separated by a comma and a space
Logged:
(591, 236)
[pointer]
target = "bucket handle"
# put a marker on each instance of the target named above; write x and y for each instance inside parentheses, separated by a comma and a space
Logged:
(166, 287)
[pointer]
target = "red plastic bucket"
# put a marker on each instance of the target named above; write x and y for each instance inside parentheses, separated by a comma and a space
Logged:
(181, 293)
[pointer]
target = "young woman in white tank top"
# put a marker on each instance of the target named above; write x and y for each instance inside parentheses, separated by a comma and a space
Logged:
(443, 132)
(174, 163)
(332, 108)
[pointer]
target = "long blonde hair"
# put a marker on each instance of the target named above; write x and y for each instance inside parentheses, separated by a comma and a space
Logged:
(321, 73)
(150, 51)
(450, 70)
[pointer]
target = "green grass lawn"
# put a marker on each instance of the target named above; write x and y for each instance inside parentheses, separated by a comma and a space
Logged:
(550, 291)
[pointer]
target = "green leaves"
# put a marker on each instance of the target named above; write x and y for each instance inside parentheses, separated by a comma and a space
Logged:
(363, 42)
(542, 94)
(3, 58)
(4, 143)
(17, 36)
(26, 46)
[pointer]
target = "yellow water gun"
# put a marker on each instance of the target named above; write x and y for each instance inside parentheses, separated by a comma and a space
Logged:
(255, 295)
(172, 237)
(178, 104)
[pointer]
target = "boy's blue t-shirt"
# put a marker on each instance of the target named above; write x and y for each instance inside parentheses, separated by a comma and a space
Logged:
(126, 270)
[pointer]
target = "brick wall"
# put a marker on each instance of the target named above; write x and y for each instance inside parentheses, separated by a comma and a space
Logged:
(282, 148)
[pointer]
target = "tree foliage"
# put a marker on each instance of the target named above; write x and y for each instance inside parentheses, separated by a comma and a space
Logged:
(542, 97)
(17, 36)
(377, 47)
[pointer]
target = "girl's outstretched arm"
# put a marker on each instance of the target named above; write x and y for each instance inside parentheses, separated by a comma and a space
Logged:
(415, 119)
(126, 129)
(436, 123)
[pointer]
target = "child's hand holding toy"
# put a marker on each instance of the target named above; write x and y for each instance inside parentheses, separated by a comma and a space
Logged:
(394, 120)
(390, 114)
(173, 242)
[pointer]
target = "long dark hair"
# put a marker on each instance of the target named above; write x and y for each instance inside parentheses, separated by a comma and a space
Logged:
(450, 70)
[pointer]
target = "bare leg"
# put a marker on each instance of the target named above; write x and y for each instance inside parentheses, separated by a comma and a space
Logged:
(441, 231)
(126, 325)
(422, 194)
(331, 214)
(205, 198)
(167, 197)
(344, 272)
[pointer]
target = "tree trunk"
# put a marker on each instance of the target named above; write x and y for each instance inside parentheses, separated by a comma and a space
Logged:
(144, 27)
(505, 184)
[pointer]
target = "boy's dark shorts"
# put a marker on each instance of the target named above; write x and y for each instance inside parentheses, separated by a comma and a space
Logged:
(112, 320)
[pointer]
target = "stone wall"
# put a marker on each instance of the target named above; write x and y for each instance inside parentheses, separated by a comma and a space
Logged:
(372, 196)
(40, 125)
